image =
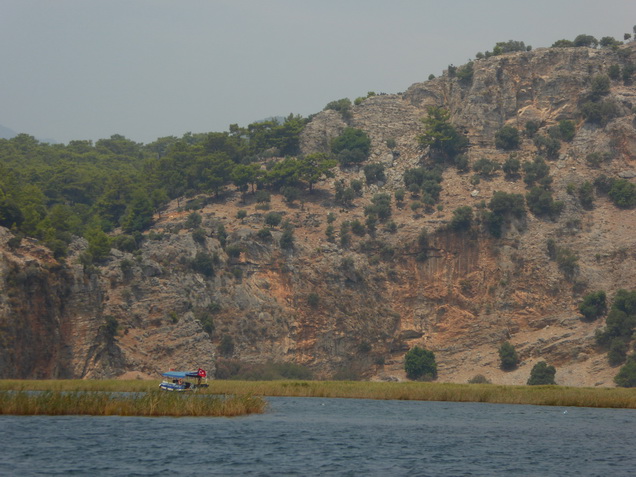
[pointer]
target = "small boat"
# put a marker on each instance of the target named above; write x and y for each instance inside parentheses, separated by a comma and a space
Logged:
(184, 380)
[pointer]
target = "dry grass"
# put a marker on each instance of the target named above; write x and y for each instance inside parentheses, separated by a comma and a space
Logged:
(538, 395)
(148, 404)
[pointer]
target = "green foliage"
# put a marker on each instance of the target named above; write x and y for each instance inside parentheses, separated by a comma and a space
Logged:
(567, 130)
(465, 73)
(420, 364)
(273, 219)
(287, 238)
(547, 146)
(462, 218)
(486, 167)
(594, 305)
(511, 166)
(351, 147)
(508, 356)
(226, 346)
(110, 327)
(343, 106)
(614, 72)
(264, 234)
(380, 206)
(241, 214)
(509, 46)
(586, 195)
(563, 44)
(567, 260)
(374, 172)
(531, 128)
(443, 139)
(203, 263)
(536, 171)
(358, 228)
(541, 203)
(503, 207)
(600, 87)
(541, 374)
(626, 377)
(198, 235)
(424, 180)
(99, 244)
(399, 195)
(599, 112)
(617, 353)
(313, 299)
(193, 221)
(584, 40)
(507, 138)
(623, 193)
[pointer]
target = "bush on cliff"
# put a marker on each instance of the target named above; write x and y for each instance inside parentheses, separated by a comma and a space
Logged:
(420, 364)
(542, 373)
(508, 356)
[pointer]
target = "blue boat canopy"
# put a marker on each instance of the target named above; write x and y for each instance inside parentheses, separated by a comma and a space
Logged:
(184, 374)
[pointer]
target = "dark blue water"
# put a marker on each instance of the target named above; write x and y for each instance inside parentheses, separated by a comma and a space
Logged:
(310, 436)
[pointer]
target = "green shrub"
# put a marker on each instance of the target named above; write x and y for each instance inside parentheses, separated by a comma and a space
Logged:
(508, 356)
(343, 106)
(542, 373)
(374, 172)
(462, 218)
(507, 138)
(226, 346)
(479, 379)
(287, 239)
(241, 214)
(600, 86)
(511, 167)
(198, 235)
(194, 220)
(594, 305)
(599, 112)
(626, 377)
(273, 219)
(443, 139)
(203, 263)
(623, 193)
(586, 195)
(547, 146)
(535, 171)
(264, 234)
(617, 351)
(380, 206)
(313, 299)
(351, 147)
(531, 128)
(486, 167)
(540, 202)
(567, 130)
(358, 228)
(420, 364)
(614, 72)
(567, 260)
(262, 196)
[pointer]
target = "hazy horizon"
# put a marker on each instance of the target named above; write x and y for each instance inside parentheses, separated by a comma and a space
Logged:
(87, 69)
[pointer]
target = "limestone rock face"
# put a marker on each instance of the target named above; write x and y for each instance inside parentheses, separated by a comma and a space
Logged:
(354, 309)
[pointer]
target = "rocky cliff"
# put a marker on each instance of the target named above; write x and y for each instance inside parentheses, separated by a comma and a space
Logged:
(357, 308)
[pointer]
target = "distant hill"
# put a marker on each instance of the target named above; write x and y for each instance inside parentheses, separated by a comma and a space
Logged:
(6, 133)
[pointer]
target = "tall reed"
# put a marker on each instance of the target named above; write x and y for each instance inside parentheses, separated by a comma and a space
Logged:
(153, 403)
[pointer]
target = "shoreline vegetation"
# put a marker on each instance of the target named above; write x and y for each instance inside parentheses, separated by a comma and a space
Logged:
(244, 397)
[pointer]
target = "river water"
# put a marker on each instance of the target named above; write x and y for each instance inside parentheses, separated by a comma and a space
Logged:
(313, 436)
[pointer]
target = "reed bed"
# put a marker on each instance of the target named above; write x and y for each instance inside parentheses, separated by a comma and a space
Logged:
(417, 391)
(146, 404)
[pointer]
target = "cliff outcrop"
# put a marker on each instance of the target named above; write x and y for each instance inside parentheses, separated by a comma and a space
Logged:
(186, 299)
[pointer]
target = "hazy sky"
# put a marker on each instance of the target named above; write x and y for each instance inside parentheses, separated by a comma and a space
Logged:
(87, 69)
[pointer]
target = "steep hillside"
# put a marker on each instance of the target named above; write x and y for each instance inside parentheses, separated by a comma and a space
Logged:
(355, 307)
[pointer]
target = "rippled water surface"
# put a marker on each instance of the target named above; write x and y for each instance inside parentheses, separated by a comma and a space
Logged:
(311, 436)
